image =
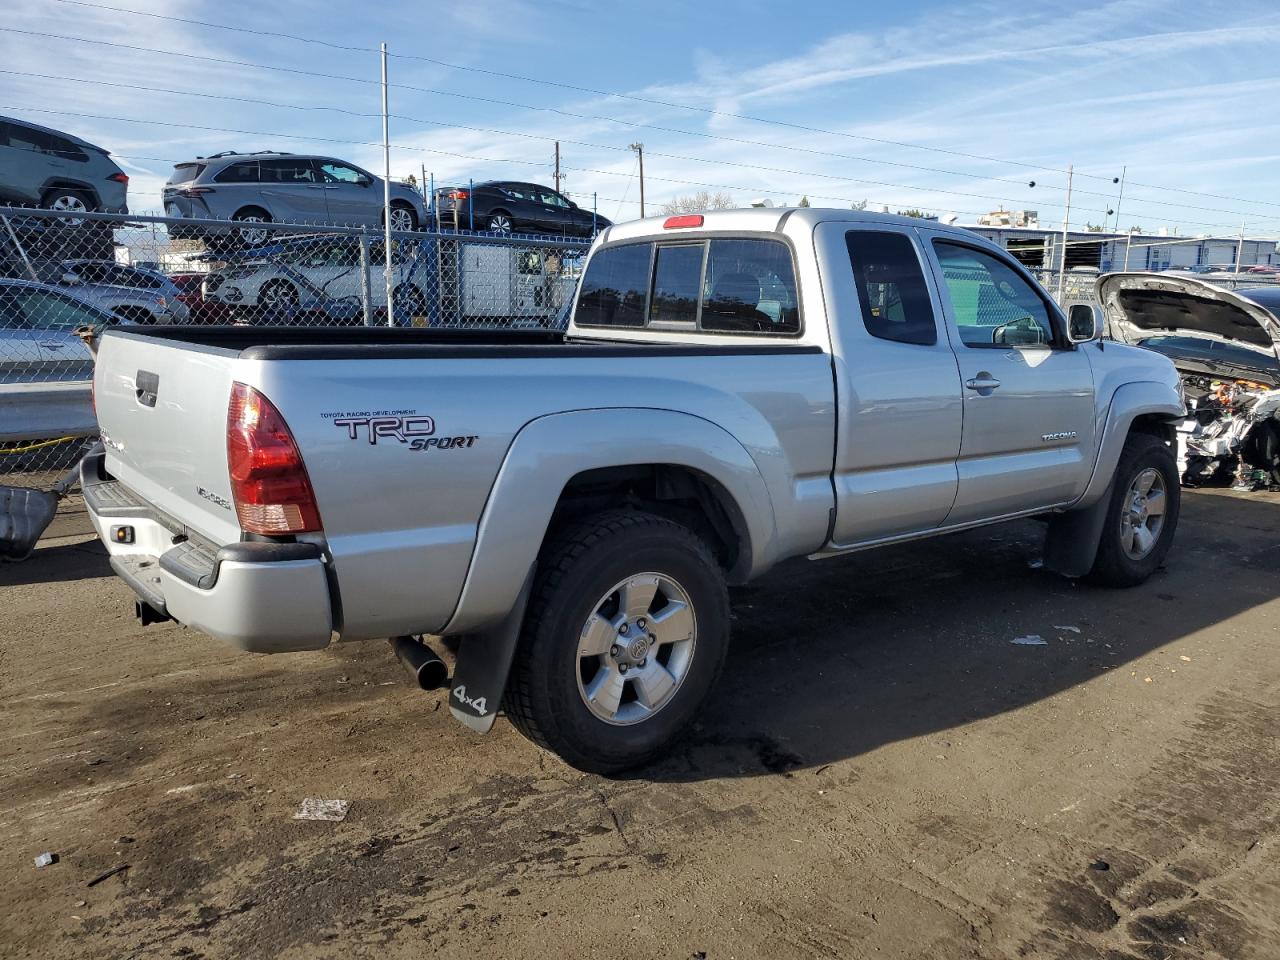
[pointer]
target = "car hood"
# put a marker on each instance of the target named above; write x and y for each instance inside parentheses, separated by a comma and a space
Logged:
(1141, 305)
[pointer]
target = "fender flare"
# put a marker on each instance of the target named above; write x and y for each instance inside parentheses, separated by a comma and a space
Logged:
(548, 452)
(1130, 401)
(1071, 542)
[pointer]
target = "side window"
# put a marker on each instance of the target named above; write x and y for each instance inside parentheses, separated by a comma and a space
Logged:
(994, 307)
(246, 172)
(891, 288)
(47, 311)
(287, 171)
(553, 199)
(340, 173)
(677, 276)
(750, 287)
(67, 150)
(614, 287)
(11, 314)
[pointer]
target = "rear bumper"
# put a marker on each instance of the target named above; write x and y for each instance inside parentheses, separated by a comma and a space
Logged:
(261, 597)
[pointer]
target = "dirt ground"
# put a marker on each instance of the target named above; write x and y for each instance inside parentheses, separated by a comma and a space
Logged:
(881, 773)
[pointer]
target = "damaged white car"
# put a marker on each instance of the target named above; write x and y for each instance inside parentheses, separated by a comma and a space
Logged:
(1226, 345)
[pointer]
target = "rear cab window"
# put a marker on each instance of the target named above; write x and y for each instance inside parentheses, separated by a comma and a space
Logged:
(715, 285)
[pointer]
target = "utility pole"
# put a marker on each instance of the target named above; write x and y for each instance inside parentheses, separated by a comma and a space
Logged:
(557, 166)
(639, 149)
(1123, 171)
(386, 193)
(1066, 221)
(1240, 250)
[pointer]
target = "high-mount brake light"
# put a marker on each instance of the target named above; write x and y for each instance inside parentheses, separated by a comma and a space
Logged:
(269, 482)
(687, 220)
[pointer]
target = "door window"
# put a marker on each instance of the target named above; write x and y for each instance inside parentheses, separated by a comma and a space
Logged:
(246, 172)
(993, 305)
(334, 172)
(287, 171)
(48, 311)
(891, 288)
(677, 277)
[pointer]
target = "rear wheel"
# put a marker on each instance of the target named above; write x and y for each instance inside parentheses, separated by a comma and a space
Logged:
(69, 202)
(278, 295)
(252, 236)
(1142, 514)
(500, 222)
(627, 630)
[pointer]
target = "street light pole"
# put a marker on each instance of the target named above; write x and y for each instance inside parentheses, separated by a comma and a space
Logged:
(639, 149)
(1066, 221)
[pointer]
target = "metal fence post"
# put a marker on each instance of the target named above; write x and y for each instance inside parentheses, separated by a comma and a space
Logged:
(471, 205)
(366, 287)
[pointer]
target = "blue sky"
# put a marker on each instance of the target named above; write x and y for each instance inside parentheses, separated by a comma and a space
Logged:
(1186, 96)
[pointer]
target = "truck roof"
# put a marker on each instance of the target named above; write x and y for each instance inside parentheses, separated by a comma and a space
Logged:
(772, 219)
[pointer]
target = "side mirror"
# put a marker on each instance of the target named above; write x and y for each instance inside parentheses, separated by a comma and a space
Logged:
(70, 279)
(365, 181)
(1084, 323)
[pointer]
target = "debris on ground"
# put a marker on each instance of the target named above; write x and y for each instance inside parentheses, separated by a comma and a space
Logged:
(1032, 640)
(313, 808)
(107, 875)
(46, 859)
(1068, 628)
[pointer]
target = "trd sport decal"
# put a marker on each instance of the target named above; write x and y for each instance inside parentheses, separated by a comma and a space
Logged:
(414, 430)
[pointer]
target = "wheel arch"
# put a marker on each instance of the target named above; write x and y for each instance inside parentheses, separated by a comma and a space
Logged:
(567, 465)
(1145, 406)
(65, 183)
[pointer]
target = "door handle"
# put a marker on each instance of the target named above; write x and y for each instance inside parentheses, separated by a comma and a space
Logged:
(52, 344)
(982, 382)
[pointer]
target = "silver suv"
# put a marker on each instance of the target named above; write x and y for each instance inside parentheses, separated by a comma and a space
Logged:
(256, 188)
(46, 168)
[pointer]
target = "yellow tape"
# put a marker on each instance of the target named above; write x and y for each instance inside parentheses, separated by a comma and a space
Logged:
(4, 451)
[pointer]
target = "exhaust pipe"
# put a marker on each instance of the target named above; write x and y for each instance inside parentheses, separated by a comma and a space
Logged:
(426, 668)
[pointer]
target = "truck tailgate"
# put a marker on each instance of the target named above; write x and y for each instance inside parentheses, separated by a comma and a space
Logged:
(162, 409)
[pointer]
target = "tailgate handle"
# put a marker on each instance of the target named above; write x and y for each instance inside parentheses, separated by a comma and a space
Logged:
(145, 387)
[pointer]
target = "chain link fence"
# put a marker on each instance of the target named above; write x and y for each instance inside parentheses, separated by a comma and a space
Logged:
(60, 272)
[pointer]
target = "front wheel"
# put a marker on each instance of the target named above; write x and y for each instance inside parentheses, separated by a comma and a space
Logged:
(627, 630)
(1142, 515)
(403, 218)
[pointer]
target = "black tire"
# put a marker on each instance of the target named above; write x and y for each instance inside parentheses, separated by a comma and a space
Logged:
(72, 201)
(406, 209)
(502, 223)
(1113, 566)
(250, 237)
(575, 569)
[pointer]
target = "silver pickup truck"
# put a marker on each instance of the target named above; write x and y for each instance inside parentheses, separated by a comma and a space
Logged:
(733, 390)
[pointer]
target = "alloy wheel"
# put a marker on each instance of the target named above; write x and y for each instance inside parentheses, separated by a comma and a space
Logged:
(1142, 516)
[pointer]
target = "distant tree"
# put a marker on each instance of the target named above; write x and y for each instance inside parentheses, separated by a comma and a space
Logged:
(1135, 230)
(411, 180)
(913, 212)
(697, 203)
(859, 205)
(804, 202)
(1093, 228)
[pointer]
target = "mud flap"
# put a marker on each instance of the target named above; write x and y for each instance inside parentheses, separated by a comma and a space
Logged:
(484, 660)
(1071, 542)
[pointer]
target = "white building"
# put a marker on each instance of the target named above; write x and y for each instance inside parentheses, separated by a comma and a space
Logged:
(1040, 248)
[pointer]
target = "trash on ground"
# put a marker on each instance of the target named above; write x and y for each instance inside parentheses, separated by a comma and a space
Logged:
(107, 875)
(1033, 640)
(1035, 564)
(314, 808)
(1185, 658)
(46, 859)
(1068, 628)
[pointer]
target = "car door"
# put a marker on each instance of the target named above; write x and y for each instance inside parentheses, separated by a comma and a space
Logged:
(53, 319)
(1028, 393)
(350, 194)
(21, 359)
(900, 412)
(292, 190)
(555, 211)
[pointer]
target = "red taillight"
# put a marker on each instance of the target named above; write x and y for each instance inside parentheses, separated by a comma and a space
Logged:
(461, 195)
(119, 177)
(269, 481)
(688, 220)
(194, 191)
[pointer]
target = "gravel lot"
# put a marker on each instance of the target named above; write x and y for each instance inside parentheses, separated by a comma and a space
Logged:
(882, 773)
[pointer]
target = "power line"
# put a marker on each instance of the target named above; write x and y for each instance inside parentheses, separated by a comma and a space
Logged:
(671, 156)
(645, 100)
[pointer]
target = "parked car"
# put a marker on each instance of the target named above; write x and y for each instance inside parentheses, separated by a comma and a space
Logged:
(42, 167)
(571, 507)
(1226, 347)
(503, 206)
(320, 274)
(37, 338)
(132, 294)
(268, 187)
